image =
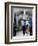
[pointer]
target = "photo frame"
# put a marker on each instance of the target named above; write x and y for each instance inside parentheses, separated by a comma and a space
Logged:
(20, 22)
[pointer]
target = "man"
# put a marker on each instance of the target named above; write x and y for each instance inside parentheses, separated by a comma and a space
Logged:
(30, 22)
(23, 24)
(14, 26)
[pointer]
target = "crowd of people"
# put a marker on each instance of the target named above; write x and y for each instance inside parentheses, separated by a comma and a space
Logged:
(23, 22)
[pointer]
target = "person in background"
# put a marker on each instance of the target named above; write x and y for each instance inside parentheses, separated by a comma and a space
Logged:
(14, 27)
(23, 26)
(27, 33)
(23, 23)
(30, 22)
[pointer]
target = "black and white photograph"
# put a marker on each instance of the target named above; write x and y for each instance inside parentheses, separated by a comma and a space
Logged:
(22, 22)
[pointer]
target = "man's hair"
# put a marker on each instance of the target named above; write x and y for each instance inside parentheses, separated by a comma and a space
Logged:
(21, 12)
